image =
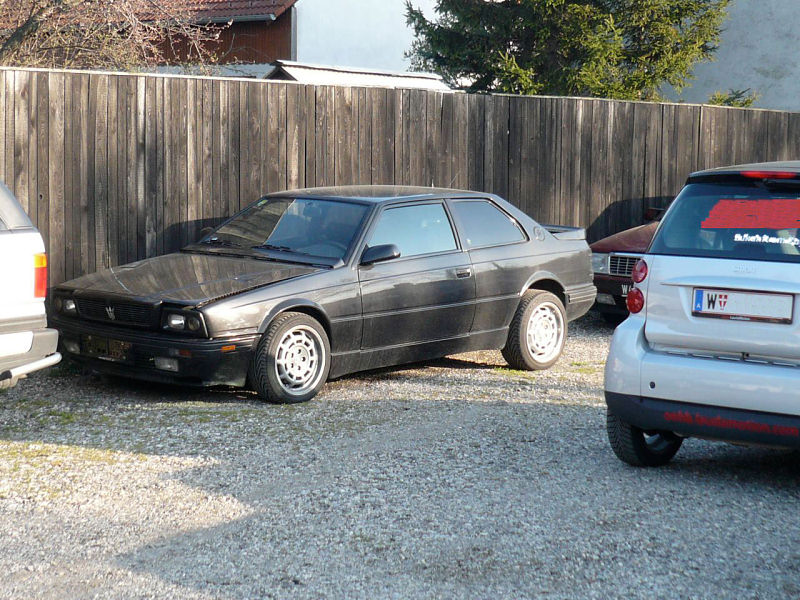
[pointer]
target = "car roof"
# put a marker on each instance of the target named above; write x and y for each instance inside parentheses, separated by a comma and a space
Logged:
(792, 166)
(377, 194)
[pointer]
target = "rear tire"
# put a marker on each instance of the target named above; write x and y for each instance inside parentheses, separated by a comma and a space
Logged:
(638, 448)
(292, 360)
(537, 333)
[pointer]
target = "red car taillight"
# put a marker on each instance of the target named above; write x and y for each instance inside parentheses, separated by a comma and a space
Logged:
(635, 301)
(639, 273)
(40, 275)
(635, 298)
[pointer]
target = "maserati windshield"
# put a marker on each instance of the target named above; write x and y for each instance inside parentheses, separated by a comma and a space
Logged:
(300, 227)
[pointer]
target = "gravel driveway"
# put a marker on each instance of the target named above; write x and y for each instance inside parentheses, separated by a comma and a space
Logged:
(458, 479)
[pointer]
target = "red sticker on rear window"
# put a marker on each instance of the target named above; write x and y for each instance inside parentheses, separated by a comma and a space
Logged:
(779, 213)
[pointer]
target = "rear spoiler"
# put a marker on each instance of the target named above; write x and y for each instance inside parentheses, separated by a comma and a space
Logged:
(562, 232)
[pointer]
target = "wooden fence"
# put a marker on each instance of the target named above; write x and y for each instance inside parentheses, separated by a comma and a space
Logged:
(119, 167)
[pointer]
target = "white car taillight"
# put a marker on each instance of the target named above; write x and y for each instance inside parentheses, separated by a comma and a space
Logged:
(40, 275)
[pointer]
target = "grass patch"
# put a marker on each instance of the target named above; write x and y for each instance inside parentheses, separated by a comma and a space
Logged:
(66, 368)
(36, 454)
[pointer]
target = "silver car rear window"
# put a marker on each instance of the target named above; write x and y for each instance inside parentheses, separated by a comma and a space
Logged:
(736, 221)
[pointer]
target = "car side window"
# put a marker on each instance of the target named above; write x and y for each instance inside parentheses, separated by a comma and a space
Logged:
(415, 230)
(486, 225)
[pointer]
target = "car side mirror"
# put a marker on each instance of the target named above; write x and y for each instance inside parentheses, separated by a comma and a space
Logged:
(204, 232)
(380, 253)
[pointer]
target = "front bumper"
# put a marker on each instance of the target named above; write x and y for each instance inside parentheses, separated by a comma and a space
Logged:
(713, 422)
(198, 362)
(611, 293)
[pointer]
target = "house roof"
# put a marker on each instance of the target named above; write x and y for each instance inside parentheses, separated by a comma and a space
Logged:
(237, 10)
(328, 75)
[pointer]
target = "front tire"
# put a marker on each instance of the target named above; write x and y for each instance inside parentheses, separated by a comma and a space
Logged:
(292, 361)
(537, 333)
(639, 448)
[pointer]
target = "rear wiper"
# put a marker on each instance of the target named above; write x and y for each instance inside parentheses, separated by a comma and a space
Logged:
(219, 242)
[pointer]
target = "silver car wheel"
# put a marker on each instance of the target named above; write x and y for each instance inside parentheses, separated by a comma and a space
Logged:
(299, 360)
(545, 332)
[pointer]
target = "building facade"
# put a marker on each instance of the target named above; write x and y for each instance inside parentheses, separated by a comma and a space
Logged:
(758, 50)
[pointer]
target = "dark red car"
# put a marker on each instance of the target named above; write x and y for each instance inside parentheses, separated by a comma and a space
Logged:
(613, 258)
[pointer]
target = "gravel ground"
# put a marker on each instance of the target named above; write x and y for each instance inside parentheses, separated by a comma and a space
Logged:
(457, 479)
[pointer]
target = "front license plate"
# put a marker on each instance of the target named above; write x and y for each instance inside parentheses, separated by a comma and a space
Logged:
(743, 306)
(105, 349)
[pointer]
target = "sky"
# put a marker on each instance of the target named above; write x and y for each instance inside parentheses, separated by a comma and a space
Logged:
(366, 33)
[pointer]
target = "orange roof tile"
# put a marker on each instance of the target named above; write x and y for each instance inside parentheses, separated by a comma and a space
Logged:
(224, 9)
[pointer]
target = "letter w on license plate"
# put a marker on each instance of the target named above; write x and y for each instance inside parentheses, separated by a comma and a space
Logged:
(742, 306)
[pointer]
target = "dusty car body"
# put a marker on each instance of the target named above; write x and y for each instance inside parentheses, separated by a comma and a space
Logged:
(26, 344)
(308, 285)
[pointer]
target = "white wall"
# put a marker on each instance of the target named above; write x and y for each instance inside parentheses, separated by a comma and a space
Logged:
(760, 49)
(356, 33)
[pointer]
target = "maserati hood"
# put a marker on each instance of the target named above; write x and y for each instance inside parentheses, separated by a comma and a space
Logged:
(185, 278)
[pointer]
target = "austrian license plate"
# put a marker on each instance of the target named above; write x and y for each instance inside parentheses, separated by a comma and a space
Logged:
(104, 348)
(743, 306)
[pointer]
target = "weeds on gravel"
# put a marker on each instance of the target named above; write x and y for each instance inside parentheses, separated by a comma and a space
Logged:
(66, 368)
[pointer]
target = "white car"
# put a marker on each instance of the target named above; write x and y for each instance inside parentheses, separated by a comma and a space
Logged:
(26, 344)
(712, 346)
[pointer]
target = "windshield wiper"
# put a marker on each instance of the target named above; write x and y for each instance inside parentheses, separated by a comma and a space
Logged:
(219, 242)
(278, 247)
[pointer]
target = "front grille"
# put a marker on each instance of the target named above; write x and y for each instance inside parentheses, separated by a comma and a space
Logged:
(122, 313)
(622, 265)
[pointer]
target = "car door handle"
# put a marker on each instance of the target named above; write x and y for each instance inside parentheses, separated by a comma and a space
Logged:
(463, 273)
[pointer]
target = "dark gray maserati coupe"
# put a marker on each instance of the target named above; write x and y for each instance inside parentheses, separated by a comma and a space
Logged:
(307, 285)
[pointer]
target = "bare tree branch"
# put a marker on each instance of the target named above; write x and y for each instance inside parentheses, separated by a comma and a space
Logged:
(117, 35)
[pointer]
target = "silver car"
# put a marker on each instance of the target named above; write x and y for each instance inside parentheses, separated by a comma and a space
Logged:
(711, 346)
(26, 344)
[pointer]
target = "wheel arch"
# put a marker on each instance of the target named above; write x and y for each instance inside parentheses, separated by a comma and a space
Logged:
(547, 282)
(312, 309)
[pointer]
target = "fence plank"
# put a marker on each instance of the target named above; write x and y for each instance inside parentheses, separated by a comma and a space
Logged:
(22, 92)
(41, 133)
(346, 137)
(55, 151)
(8, 141)
(99, 90)
(295, 137)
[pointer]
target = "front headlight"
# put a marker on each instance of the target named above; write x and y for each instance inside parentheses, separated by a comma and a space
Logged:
(185, 321)
(600, 263)
(65, 306)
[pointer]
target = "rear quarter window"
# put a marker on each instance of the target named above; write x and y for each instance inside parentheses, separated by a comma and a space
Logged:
(11, 214)
(484, 224)
(735, 221)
